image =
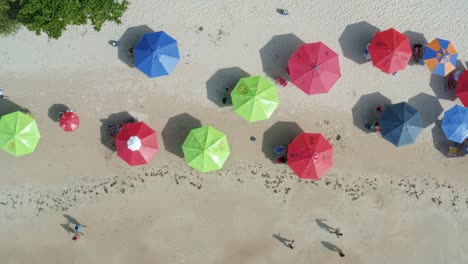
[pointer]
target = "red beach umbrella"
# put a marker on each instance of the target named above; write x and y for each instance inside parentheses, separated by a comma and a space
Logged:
(390, 51)
(310, 156)
(462, 88)
(136, 143)
(69, 121)
(314, 68)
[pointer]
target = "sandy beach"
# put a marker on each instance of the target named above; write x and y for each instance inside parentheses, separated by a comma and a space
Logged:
(394, 205)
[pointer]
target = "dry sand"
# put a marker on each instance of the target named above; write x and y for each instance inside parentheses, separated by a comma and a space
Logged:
(394, 205)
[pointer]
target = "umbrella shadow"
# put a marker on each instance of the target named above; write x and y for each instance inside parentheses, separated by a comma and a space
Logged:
(415, 38)
(439, 85)
(429, 107)
(354, 39)
(440, 141)
(276, 53)
(364, 110)
(221, 80)
(280, 133)
(116, 118)
(324, 226)
(7, 107)
(129, 39)
(54, 111)
(176, 131)
(460, 66)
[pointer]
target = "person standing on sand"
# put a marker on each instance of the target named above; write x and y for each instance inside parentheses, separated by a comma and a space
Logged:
(337, 232)
(290, 244)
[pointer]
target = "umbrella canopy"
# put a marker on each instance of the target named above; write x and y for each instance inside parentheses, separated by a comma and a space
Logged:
(136, 143)
(254, 98)
(401, 124)
(206, 149)
(390, 51)
(455, 124)
(310, 156)
(462, 88)
(69, 121)
(156, 54)
(314, 68)
(440, 57)
(19, 134)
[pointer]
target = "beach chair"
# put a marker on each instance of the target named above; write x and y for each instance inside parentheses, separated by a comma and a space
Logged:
(112, 129)
(280, 151)
(450, 82)
(417, 53)
(281, 81)
(366, 54)
(2, 94)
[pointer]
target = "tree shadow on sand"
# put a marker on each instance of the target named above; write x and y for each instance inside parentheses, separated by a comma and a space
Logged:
(7, 107)
(176, 131)
(364, 110)
(276, 53)
(281, 133)
(429, 107)
(354, 39)
(54, 111)
(220, 80)
(116, 118)
(129, 39)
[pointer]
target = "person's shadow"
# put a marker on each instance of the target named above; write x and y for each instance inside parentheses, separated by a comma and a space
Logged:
(281, 239)
(324, 226)
(329, 246)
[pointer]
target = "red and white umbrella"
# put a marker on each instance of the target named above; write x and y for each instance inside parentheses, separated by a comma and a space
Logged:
(136, 143)
(69, 121)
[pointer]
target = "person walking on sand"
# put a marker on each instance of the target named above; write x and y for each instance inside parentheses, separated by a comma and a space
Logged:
(290, 244)
(337, 232)
(340, 252)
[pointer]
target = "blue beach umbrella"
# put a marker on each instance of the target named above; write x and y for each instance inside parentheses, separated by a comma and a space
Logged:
(156, 54)
(401, 124)
(455, 123)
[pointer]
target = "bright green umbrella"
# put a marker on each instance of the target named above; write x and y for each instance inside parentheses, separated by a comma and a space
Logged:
(19, 134)
(206, 149)
(254, 98)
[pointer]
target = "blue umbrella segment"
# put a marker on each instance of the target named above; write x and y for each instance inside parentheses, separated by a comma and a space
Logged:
(455, 124)
(401, 124)
(156, 54)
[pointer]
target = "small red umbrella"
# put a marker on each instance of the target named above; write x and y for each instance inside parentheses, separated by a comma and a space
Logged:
(310, 156)
(462, 88)
(69, 121)
(390, 51)
(136, 143)
(314, 68)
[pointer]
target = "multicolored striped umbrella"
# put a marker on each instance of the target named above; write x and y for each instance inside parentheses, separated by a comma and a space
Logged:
(440, 57)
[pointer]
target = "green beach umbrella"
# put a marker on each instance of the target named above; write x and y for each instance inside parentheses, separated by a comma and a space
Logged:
(19, 134)
(254, 98)
(206, 149)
